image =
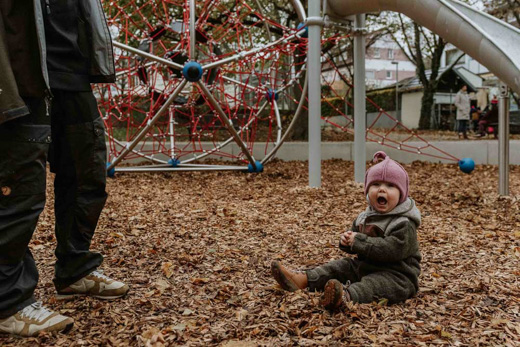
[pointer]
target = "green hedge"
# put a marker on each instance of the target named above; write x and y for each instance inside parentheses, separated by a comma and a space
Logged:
(385, 99)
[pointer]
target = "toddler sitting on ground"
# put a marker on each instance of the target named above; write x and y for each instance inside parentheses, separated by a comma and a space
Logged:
(384, 238)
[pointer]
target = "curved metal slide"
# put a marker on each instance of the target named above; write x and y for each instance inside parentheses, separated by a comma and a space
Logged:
(490, 41)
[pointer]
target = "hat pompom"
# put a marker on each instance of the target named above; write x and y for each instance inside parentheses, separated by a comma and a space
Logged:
(379, 156)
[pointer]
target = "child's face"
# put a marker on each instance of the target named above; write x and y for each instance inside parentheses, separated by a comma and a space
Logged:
(383, 196)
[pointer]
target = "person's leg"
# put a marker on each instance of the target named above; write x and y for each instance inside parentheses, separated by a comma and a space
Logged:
(78, 157)
(482, 127)
(24, 143)
(465, 128)
(344, 270)
(459, 128)
(382, 285)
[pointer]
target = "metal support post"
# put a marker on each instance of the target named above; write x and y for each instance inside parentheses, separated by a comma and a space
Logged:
(503, 141)
(396, 63)
(193, 37)
(359, 100)
(314, 72)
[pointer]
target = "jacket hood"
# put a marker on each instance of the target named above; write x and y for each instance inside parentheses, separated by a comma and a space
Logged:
(406, 209)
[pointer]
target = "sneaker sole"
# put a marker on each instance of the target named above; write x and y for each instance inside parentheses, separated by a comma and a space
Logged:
(332, 294)
(282, 280)
(65, 330)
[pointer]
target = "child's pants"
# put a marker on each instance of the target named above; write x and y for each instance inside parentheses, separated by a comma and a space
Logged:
(365, 286)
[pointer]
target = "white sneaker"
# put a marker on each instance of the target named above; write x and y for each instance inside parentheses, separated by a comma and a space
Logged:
(95, 284)
(33, 319)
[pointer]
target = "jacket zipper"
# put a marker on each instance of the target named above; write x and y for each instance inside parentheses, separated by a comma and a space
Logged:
(48, 100)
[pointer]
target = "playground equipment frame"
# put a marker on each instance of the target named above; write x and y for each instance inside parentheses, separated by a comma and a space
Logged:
(485, 38)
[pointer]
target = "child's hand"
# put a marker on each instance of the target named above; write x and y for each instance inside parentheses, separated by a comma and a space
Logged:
(347, 238)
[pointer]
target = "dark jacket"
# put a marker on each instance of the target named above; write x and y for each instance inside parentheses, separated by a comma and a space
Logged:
(79, 46)
(491, 116)
(388, 242)
(23, 71)
(23, 53)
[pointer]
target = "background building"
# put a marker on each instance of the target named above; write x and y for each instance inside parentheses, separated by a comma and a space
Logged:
(386, 64)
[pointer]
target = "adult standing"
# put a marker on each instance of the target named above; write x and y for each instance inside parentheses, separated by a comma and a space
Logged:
(463, 111)
(77, 50)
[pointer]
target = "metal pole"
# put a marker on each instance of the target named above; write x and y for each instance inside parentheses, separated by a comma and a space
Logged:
(503, 141)
(314, 71)
(142, 133)
(396, 63)
(397, 90)
(193, 36)
(359, 100)
(227, 123)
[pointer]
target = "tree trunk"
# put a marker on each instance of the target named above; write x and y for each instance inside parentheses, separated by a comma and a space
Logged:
(426, 108)
(300, 130)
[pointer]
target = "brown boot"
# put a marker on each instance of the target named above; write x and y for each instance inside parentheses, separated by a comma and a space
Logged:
(334, 295)
(288, 280)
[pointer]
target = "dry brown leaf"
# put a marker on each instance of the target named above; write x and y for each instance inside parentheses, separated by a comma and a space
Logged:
(167, 269)
(183, 226)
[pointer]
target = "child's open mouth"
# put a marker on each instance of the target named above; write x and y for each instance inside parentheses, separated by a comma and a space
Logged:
(381, 200)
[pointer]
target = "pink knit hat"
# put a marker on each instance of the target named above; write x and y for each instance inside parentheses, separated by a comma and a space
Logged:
(388, 171)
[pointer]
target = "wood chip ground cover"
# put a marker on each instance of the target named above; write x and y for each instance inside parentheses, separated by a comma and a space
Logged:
(196, 248)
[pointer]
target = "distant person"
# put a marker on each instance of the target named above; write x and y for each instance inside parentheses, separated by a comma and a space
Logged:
(384, 238)
(490, 117)
(475, 118)
(463, 109)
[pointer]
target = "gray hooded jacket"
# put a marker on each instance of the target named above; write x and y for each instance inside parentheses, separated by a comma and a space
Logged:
(388, 242)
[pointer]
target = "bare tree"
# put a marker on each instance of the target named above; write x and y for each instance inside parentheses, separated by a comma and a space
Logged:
(424, 49)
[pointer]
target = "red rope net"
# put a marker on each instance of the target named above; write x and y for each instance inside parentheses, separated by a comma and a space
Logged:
(258, 61)
(382, 128)
(264, 54)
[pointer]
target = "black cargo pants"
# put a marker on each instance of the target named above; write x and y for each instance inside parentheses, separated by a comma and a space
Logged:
(77, 155)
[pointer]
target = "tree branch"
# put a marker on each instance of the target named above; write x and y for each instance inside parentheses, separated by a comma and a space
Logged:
(408, 44)
(452, 65)
(408, 56)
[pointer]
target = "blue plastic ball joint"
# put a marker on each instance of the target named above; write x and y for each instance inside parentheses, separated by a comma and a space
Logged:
(466, 165)
(259, 167)
(192, 71)
(174, 162)
(271, 95)
(301, 26)
(112, 172)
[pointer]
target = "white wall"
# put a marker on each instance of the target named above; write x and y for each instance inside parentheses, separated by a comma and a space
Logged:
(411, 109)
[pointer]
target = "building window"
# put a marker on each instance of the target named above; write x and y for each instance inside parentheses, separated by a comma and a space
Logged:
(390, 54)
(389, 75)
(371, 75)
(377, 53)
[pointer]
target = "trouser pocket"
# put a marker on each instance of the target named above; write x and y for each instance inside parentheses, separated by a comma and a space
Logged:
(79, 152)
(22, 182)
(22, 165)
